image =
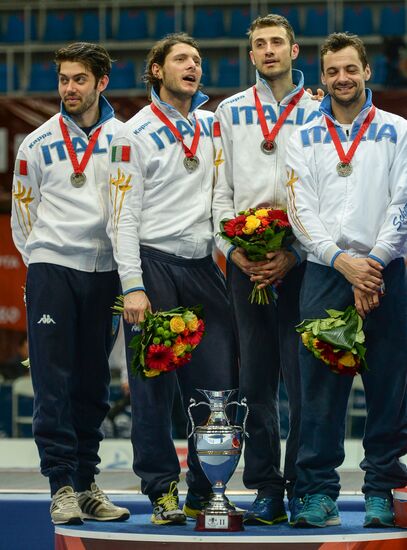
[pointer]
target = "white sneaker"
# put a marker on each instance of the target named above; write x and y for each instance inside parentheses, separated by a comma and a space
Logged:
(65, 508)
(96, 505)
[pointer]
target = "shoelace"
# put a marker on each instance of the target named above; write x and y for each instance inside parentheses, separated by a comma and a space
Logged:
(381, 504)
(169, 500)
(312, 503)
(98, 494)
(66, 499)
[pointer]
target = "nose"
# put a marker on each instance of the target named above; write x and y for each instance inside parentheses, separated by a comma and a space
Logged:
(269, 47)
(71, 85)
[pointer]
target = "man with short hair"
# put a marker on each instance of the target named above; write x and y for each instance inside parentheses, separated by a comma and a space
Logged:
(254, 127)
(347, 197)
(59, 217)
(161, 229)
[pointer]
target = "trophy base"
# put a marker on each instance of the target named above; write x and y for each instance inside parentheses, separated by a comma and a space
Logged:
(229, 521)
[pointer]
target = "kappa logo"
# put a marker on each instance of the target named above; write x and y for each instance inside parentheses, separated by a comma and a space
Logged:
(46, 319)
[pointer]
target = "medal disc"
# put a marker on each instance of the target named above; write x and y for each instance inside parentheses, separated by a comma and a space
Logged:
(78, 179)
(268, 147)
(191, 163)
(344, 169)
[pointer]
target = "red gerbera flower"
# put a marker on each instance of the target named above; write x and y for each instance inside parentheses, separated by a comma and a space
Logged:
(193, 338)
(182, 360)
(234, 226)
(159, 357)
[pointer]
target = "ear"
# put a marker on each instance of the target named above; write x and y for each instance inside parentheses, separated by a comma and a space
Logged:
(103, 82)
(252, 58)
(295, 50)
(156, 70)
(323, 79)
(368, 72)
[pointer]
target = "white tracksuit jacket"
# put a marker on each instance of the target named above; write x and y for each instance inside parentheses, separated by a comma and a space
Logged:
(246, 177)
(154, 200)
(364, 214)
(52, 221)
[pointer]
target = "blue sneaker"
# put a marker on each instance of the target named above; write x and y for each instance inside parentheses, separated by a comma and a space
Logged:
(267, 510)
(295, 506)
(378, 512)
(318, 511)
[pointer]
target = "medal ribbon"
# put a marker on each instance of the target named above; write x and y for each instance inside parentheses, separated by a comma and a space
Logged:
(270, 136)
(78, 168)
(189, 152)
(346, 158)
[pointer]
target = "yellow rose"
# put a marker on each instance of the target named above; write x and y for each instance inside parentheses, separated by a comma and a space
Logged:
(193, 323)
(152, 372)
(252, 223)
(179, 349)
(305, 338)
(262, 213)
(177, 324)
(347, 359)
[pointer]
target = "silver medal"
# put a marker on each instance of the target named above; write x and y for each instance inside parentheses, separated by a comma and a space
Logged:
(268, 147)
(78, 179)
(191, 163)
(344, 169)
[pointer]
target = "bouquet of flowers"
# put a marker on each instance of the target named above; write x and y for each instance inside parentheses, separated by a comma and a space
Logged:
(258, 231)
(337, 340)
(166, 339)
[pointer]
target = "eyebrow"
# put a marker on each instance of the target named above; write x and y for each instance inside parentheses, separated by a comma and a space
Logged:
(73, 76)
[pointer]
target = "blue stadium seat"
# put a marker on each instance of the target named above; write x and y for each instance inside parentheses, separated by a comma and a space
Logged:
(392, 21)
(132, 25)
(43, 77)
(240, 19)
(206, 72)
(90, 26)
(290, 13)
(59, 26)
(379, 69)
(309, 65)
(208, 23)
(316, 22)
(123, 75)
(358, 20)
(15, 28)
(165, 22)
(229, 72)
(3, 78)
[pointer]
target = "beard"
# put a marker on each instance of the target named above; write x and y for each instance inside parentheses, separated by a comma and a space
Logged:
(83, 105)
(345, 102)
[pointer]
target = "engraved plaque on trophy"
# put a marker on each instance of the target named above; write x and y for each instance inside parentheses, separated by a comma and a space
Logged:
(218, 445)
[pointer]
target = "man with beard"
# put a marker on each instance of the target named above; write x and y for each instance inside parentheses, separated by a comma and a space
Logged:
(347, 197)
(161, 229)
(59, 217)
(253, 129)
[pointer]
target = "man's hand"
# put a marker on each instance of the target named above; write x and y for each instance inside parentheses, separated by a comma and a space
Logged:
(279, 264)
(319, 96)
(365, 302)
(135, 305)
(363, 273)
(239, 258)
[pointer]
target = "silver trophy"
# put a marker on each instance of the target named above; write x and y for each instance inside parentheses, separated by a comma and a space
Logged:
(219, 446)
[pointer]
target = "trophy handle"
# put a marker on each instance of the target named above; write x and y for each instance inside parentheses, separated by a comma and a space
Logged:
(193, 403)
(243, 403)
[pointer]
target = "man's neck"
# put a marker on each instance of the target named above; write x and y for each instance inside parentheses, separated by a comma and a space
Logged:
(281, 86)
(346, 114)
(181, 103)
(88, 118)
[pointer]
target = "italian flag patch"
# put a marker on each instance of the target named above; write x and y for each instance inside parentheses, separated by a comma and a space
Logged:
(21, 168)
(216, 129)
(121, 153)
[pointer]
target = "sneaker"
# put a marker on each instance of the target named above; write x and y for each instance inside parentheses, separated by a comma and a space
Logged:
(378, 512)
(65, 508)
(295, 506)
(267, 510)
(318, 511)
(96, 505)
(197, 502)
(165, 508)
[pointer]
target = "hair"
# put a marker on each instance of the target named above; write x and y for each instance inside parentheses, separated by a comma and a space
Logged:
(340, 40)
(271, 20)
(92, 56)
(159, 52)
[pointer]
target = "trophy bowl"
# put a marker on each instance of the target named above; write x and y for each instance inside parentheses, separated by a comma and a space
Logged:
(219, 446)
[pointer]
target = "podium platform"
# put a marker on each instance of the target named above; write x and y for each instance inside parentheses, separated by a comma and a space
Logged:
(139, 534)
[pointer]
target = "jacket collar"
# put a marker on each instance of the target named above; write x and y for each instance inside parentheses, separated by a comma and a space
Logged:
(263, 88)
(198, 99)
(326, 108)
(106, 113)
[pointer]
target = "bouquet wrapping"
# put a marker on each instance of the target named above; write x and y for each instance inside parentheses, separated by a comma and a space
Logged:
(259, 231)
(166, 339)
(337, 340)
